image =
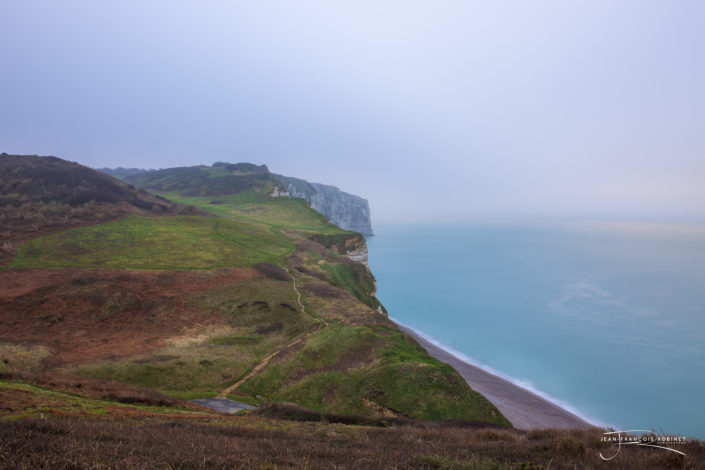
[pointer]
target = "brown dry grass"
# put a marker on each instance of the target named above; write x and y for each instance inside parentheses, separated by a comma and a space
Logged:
(85, 315)
(250, 443)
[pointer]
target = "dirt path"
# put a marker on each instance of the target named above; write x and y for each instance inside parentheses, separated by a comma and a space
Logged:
(320, 321)
(263, 363)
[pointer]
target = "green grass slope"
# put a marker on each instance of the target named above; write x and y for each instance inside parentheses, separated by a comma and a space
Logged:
(276, 212)
(370, 370)
(260, 317)
(156, 243)
(41, 195)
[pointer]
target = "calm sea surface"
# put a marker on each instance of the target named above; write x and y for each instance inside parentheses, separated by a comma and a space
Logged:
(607, 319)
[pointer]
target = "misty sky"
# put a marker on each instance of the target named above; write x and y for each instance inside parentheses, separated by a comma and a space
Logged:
(430, 110)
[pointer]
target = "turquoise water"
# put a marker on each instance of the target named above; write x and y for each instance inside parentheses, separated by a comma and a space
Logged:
(607, 319)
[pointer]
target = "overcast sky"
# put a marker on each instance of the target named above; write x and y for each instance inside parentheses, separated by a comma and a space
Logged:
(430, 110)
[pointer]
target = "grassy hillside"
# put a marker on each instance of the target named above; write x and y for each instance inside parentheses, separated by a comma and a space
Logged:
(256, 317)
(277, 212)
(208, 181)
(156, 243)
(40, 398)
(41, 195)
(259, 302)
(371, 370)
(51, 180)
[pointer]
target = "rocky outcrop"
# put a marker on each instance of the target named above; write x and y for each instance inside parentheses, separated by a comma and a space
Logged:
(352, 245)
(345, 210)
(359, 255)
(358, 252)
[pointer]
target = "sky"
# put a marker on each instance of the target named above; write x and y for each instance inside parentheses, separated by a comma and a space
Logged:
(433, 111)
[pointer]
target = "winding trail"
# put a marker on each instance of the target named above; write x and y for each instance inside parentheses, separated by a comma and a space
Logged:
(320, 323)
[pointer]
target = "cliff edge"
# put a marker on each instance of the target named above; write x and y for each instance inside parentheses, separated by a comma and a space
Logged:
(347, 211)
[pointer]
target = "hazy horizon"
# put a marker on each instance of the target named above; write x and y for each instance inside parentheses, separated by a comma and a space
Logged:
(445, 111)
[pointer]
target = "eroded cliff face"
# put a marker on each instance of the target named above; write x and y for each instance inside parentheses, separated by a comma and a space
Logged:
(345, 210)
(356, 250)
(354, 247)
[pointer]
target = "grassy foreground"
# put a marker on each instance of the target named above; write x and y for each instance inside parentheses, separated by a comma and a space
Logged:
(44, 429)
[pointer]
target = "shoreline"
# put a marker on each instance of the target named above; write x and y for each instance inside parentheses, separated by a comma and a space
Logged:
(523, 408)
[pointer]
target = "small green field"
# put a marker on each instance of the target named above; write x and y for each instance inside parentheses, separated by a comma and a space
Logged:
(157, 243)
(277, 212)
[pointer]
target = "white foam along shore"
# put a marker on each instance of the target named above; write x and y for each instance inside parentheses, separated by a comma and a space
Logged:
(523, 405)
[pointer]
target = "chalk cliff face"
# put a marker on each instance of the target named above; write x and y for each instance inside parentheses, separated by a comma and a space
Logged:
(345, 210)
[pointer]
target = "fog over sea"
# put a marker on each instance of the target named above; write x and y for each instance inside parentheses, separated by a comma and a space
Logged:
(606, 319)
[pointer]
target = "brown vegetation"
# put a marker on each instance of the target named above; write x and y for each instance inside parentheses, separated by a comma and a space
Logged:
(78, 433)
(272, 271)
(251, 443)
(83, 314)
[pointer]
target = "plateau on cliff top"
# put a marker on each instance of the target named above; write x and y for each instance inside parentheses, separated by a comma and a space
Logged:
(245, 184)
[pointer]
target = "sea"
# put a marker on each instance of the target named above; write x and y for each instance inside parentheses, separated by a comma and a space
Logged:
(606, 319)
